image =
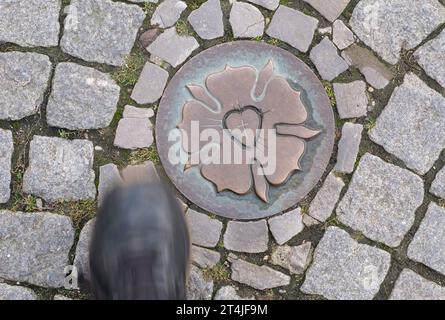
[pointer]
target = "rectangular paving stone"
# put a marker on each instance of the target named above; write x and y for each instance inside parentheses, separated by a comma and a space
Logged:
(327, 61)
(6, 150)
(375, 72)
(438, 185)
(250, 237)
(60, 169)
(323, 205)
(352, 101)
(258, 277)
(8, 292)
(286, 226)
(30, 23)
(330, 9)
(268, 4)
(139, 113)
(412, 125)
(411, 286)
(381, 200)
(204, 230)
(82, 254)
(140, 173)
(24, 78)
(341, 35)
(198, 287)
(109, 178)
(293, 27)
(34, 247)
(348, 147)
(431, 57)
(428, 245)
(151, 84)
(102, 31)
(344, 269)
(205, 258)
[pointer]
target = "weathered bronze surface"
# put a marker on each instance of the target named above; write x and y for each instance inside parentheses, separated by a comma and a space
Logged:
(239, 86)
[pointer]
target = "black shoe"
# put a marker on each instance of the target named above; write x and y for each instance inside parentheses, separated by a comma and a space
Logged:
(140, 247)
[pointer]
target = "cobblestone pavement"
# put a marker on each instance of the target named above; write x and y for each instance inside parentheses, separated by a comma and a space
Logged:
(80, 82)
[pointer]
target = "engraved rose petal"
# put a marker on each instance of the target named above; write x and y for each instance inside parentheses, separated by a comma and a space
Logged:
(195, 111)
(297, 130)
(264, 76)
(289, 151)
(233, 177)
(200, 94)
(280, 96)
(260, 182)
(232, 87)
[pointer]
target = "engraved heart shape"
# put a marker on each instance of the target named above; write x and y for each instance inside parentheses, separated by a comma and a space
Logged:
(243, 124)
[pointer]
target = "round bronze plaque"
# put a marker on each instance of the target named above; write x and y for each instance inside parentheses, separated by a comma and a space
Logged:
(255, 101)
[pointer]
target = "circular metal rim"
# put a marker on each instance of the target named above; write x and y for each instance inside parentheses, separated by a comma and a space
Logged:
(227, 204)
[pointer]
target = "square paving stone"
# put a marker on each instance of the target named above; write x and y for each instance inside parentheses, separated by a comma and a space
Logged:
(411, 286)
(387, 26)
(34, 247)
(343, 269)
(24, 78)
(295, 259)
(204, 230)
(134, 133)
(60, 169)
(6, 149)
(381, 200)
(412, 125)
(30, 23)
(327, 61)
(330, 9)
(81, 98)
(207, 20)
(293, 27)
(438, 185)
(101, 31)
(246, 20)
(150, 85)
(173, 48)
(167, 13)
(250, 237)
(286, 226)
(352, 101)
(428, 245)
(431, 56)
